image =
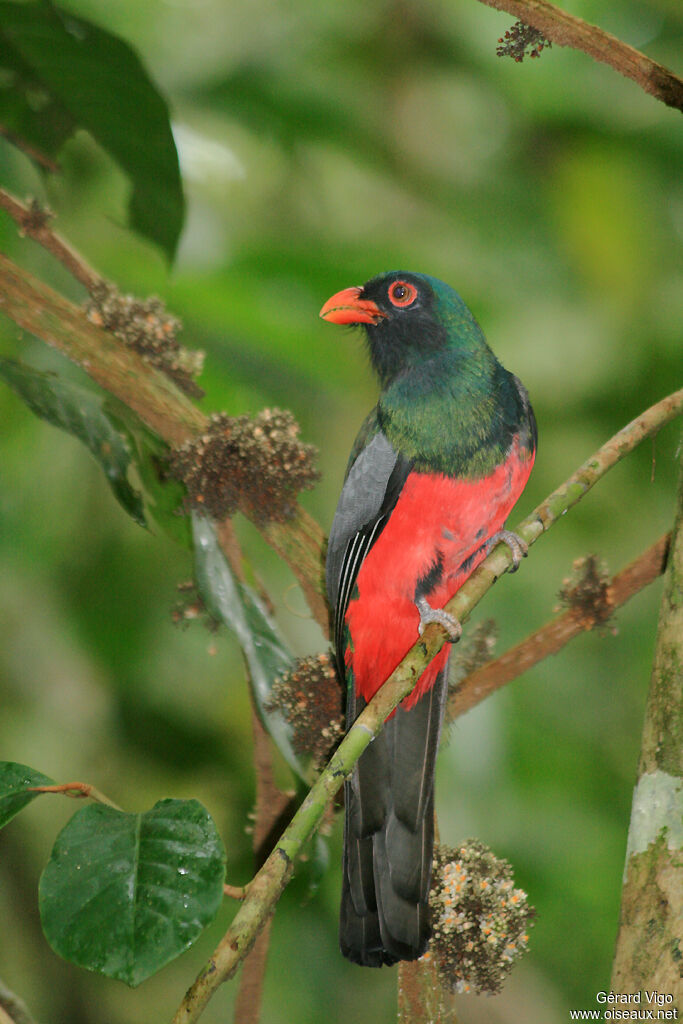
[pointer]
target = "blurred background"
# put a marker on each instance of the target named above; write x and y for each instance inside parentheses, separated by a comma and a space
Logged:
(319, 145)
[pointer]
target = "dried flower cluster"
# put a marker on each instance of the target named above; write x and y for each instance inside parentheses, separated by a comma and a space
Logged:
(479, 920)
(259, 463)
(587, 591)
(145, 326)
(522, 41)
(310, 698)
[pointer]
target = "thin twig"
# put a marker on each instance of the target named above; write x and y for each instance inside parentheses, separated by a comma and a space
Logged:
(565, 29)
(31, 151)
(77, 790)
(271, 805)
(552, 637)
(34, 222)
(235, 892)
(268, 884)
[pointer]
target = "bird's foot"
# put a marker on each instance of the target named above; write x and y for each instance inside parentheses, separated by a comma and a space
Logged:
(519, 548)
(429, 614)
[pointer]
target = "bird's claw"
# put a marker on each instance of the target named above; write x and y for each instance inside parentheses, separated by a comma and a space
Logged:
(519, 548)
(429, 614)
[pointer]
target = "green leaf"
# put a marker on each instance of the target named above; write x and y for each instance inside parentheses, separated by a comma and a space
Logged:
(123, 894)
(163, 495)
(63, 73)
(16, 781)
(235, 604)
(86, 415)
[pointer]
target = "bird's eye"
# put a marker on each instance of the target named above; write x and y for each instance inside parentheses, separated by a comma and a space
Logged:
(402, 294)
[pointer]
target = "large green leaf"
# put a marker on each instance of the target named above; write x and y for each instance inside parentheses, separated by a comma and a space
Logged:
(62, 72)
(16, 781)
(86, 415)
(163, 495)
(265, 652)
(123, 894)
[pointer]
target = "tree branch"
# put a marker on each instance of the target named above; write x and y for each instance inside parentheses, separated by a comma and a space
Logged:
(565, 29)
(422, 995)
(160, 405)
(268, 884)
(552, 637)
(33, 221)
(271, 806)
(77, 790)
(650, 939)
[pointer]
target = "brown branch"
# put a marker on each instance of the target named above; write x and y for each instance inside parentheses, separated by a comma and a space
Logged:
(31, 151)
(422, 995)
(272, 807)
(271, 814)
(565, 29)
(78, 791)
(549, 639)
(37, 308)
(33, 221)
(235, 892)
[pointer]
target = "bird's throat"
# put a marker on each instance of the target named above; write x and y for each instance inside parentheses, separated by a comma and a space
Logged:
(450, 419)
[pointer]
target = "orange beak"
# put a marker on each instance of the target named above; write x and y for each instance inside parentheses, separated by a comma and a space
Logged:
(347, 308)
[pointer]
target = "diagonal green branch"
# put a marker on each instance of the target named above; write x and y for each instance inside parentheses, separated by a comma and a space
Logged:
(267, 886)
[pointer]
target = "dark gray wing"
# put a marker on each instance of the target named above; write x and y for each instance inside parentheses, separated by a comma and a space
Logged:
(389, 829)
(371, 489)
(528, 430)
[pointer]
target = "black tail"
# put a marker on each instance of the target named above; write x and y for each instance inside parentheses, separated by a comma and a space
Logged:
(389, 837)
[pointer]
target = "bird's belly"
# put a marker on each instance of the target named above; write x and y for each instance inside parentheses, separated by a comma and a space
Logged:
(438, 521)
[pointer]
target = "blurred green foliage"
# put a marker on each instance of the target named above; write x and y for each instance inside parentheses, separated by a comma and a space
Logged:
(319, 145)
(59, 73)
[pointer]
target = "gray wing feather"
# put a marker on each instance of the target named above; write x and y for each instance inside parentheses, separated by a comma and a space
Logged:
(360, 503)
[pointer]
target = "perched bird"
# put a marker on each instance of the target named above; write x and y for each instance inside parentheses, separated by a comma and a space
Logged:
(433, 474)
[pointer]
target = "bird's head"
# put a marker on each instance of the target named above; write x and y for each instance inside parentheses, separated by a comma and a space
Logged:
(408, 318)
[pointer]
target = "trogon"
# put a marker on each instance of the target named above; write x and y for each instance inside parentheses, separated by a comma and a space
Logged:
(433, 474)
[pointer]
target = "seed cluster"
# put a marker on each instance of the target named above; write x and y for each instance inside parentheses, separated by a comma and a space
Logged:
(310, 698)
(587, 591)
(146, 326)
(258, 463)
(479, 920)
(519, 39)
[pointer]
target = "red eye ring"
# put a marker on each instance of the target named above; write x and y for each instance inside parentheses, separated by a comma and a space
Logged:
(402, 294)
